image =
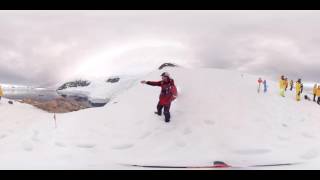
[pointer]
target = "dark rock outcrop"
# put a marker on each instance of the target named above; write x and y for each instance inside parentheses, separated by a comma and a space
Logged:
(167, 65)
(77, 83)
(113, 80)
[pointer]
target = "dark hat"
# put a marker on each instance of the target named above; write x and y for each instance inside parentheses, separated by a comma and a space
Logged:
(165, 74)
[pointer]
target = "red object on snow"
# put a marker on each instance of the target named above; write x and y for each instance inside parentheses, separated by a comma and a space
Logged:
(168, 91)
(220, 164)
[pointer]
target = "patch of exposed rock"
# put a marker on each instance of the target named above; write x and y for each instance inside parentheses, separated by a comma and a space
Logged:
(77, 83)
(113, 79)
(59, 105)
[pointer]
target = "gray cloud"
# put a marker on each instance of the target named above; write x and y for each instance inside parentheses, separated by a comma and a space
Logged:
(47, 47)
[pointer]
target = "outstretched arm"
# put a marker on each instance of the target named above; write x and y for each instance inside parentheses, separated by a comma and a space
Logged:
(152, 83)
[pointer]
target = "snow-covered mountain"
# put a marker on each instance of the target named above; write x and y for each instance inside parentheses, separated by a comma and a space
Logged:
(98, 90)
(103, 88)
(218, 116)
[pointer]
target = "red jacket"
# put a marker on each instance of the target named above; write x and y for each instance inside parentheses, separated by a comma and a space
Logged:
(168, 91)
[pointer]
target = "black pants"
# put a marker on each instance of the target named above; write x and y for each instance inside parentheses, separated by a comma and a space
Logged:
(314, 97)
(318, 100)
(166, 111)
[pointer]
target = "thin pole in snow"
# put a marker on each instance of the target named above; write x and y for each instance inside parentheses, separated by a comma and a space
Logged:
(55, 120)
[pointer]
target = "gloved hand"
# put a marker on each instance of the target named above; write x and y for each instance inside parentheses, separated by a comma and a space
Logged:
(173, 98)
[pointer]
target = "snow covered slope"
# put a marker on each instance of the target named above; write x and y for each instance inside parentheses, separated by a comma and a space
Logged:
(218, 116)
(99, 89)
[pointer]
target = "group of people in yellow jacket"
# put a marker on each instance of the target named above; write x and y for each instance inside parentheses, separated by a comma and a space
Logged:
(316, 92)
(299, 88)
(1, 92)
(284, 85)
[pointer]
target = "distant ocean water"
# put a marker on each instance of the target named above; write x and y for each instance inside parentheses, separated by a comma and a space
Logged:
(39, 95)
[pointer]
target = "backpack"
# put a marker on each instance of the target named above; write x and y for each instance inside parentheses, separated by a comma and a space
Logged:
(173, 91)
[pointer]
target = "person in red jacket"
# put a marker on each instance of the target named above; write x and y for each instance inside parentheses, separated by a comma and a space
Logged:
(167, 95)
(259, 84)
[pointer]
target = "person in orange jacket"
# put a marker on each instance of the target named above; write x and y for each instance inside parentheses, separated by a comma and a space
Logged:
(318, 94)
(1, 92)
(314, 92)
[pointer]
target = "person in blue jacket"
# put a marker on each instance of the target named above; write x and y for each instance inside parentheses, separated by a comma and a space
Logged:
(265, 86)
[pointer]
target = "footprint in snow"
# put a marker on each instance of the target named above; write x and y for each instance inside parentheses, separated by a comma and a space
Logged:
(311, 154)
(187, 131)
(60, 144)
(181, 143)
(123, 146)
(27, 146)
(146, 134)
(307, 135)
(283, 138)
(209, 122)
(86, 145)
(3, 136)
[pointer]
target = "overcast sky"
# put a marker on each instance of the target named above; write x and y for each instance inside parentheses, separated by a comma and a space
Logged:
(47, 47)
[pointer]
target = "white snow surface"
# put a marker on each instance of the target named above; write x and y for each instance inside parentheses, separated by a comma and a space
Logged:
(218, 116)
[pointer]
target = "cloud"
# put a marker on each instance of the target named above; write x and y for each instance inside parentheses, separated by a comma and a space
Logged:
(47, 47)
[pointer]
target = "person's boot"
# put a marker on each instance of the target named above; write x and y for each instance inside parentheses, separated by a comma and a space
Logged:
(167, 117)
(158, 112)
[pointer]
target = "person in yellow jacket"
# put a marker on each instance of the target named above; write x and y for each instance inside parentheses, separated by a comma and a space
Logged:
(318, 94)
(282, 84)
(314, 92)
(1, 92)
(298, 89)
